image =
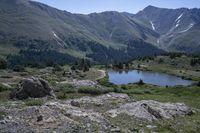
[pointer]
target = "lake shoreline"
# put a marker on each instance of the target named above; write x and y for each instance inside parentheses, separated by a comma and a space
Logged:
(149, 77)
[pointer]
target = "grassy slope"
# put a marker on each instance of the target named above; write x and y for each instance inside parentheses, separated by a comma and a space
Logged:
(188, 95)
(179, 66)
(38, 21)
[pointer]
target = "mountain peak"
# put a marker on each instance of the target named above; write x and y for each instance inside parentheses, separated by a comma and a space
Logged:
(150, 7)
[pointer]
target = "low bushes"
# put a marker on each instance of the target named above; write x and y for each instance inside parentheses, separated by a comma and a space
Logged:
(33, 102)
(98, 91)
(2, 115)
(104, 82)
(82, 64)
(142, 91)
(90, 90)
(141, 82)
(63, 90)
(19, 68)
(3, 63)
(3, 88)
(57, 68)
(66, 88)
(198, 84)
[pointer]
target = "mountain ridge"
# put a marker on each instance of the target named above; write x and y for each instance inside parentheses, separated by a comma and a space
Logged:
(173, 27)
(96, 36)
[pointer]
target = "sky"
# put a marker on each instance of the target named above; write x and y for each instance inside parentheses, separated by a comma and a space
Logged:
(131, 6)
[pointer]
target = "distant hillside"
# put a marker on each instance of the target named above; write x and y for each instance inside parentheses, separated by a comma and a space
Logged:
(101, 37)
(179, 29)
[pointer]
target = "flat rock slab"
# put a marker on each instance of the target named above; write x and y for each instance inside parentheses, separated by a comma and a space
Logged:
(83, 83)
(80, 82)
(152, 110)
(104, 99)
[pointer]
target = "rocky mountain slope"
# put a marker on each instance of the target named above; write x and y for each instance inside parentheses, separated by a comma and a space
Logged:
(101, 37)
(178, 28)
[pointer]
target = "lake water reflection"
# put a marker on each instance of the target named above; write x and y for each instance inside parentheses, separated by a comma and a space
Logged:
(133, 76)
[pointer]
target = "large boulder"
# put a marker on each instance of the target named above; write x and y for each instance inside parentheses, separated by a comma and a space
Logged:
(33, 88)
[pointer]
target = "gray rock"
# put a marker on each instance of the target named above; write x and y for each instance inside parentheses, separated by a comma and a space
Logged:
(152, 110)
(32, 87)
(2, 122)
(53, 116)
(68, 116)
(83, 83)
(104, 99)
(39, 118)
(75, 103)
(115, 130)
(151, 126)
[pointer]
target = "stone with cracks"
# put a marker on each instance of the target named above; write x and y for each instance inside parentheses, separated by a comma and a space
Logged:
(32, 88)
(152, 110)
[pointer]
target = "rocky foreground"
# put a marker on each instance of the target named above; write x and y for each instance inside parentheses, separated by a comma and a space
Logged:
(87, 114)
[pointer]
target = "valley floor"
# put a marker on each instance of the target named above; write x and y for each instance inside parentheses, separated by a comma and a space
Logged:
(90, 113)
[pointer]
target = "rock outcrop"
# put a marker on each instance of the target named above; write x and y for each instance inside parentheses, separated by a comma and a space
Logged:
(87, 114)
(83, 83)
(110, 100)
(33, 88)
(152, 110)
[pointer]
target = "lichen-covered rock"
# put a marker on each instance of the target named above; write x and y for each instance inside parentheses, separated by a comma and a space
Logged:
(52, 116)
(83, 83)
(75, 103)
(86, 115)
(33, 88)
(152, 110)
(105, 99)
(104, 102)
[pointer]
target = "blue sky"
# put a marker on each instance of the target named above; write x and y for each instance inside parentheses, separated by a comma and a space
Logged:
(132, 6)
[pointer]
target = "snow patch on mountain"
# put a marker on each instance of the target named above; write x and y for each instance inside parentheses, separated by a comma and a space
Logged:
(55, 35)
(189, 27)
(152, 25)
(58, 39)
(178, 21)
(177, 25)
(158, 41)
(179, 17)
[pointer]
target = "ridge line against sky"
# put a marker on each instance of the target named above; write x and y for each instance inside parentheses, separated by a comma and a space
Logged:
(131, 6)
